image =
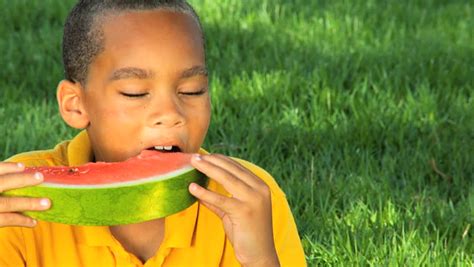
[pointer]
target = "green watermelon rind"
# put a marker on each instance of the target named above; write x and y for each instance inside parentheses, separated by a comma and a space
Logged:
(114, 205)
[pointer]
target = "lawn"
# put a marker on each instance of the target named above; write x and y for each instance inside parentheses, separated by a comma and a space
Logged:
(363, 111)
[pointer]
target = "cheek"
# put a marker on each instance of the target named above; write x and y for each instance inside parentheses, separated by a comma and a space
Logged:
(198, 118)
(205, 120)
(113, 116)
(205, 115)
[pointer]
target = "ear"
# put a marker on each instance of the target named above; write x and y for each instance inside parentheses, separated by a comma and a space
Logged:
(70, 98)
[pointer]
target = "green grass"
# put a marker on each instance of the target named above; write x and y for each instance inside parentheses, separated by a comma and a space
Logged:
(362, 110)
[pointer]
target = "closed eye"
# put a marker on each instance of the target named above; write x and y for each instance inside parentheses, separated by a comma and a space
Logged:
(200, 92)
(133, 95)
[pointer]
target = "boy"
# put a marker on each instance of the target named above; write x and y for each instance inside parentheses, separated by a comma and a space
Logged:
(136, 78)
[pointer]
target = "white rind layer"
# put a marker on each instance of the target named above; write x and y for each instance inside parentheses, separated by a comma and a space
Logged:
(151, 179)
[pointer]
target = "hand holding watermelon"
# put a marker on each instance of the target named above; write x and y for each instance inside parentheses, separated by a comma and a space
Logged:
(247, 215)
(11, 177)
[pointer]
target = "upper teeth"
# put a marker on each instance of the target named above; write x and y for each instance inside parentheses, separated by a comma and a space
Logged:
(163, 147)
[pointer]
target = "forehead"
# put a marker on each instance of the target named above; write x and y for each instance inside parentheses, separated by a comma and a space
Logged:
(116, 23)
(159, 37)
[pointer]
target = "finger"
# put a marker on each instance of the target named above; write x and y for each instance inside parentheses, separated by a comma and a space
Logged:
(220, 213)
(231, 183)
(18, 180)
(234, 168)
(226, 204)
(14, 204)
(11, 167)
(15, 219)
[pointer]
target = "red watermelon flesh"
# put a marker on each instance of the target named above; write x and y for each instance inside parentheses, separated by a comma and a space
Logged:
(144, 166)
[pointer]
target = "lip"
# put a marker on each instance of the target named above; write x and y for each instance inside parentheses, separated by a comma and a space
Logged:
(167, 143)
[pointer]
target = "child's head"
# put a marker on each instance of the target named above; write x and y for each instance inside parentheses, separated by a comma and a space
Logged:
(135, 76)
(83, 32)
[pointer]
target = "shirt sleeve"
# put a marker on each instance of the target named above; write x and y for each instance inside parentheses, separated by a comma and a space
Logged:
(12, 247)
(287, 241)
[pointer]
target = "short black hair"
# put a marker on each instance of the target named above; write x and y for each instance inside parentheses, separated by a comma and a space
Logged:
(83, 37)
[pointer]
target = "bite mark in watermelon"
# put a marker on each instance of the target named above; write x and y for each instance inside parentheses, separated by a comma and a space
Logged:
(149, 186)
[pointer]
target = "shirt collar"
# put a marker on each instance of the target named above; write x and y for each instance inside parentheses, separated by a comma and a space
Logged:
(79, 150)
(179, 227)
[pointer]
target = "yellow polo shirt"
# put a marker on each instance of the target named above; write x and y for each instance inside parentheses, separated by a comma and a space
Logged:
(193, 237)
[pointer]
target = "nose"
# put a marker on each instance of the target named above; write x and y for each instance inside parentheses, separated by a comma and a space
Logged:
(167, 112)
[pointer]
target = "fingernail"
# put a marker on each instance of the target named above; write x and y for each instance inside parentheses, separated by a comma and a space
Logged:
(20, 165)
(193, 187)
(39, 176)
(44, 202)
(33, 222)
(197, 157)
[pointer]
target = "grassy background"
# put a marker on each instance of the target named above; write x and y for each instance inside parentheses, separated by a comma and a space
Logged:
(362, 110)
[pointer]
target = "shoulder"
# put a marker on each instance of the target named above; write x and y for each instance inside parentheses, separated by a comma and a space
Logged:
(51, 157)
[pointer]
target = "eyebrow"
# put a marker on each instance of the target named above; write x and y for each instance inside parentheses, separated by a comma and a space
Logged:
(142, 74)
(131, 73)
(194, 71)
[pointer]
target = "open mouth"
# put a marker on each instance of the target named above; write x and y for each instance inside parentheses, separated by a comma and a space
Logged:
(165, 149)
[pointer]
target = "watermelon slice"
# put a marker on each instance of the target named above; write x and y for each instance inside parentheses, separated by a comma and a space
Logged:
(149, 186)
